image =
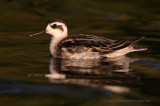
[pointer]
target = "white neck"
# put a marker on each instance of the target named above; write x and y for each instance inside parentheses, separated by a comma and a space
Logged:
(56, 39)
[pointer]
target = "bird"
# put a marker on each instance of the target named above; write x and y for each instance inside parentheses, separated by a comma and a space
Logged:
(84, 46)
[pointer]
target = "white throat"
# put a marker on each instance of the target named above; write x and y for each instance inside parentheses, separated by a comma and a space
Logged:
(56, 38)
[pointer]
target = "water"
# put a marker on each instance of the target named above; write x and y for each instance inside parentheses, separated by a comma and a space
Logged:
(29, 75)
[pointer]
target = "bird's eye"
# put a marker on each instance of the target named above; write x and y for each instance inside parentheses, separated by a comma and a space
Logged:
(54, 25)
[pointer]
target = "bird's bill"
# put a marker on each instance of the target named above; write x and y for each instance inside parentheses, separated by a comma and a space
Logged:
(43, 31)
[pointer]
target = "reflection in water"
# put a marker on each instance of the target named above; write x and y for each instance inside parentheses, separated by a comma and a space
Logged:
(107, 74)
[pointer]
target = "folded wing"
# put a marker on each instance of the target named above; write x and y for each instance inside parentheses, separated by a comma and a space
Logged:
(95, 43)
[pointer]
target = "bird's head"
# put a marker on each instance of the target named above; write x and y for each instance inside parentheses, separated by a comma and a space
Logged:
(56, 28)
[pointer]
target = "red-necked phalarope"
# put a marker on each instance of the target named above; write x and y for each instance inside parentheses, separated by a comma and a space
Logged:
(85, 46)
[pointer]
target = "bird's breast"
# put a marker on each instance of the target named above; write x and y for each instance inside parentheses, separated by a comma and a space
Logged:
(79, 53)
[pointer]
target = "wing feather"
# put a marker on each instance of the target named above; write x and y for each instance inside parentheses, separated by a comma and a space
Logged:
(95, 43)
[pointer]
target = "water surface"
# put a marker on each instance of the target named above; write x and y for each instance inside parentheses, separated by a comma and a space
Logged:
(29, 75)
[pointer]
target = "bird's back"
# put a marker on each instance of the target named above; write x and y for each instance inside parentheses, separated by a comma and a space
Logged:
(90, 46)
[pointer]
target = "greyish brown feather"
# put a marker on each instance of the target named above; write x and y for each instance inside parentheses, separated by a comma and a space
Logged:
(97, 44)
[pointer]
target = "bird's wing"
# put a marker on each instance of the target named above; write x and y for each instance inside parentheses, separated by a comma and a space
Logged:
(95, 43)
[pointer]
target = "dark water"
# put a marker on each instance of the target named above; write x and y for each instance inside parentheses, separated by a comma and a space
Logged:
(30, 76)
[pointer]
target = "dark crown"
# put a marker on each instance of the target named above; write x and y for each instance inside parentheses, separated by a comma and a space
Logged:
(55, 20)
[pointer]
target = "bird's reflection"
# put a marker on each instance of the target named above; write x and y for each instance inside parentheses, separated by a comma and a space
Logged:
(108, 74)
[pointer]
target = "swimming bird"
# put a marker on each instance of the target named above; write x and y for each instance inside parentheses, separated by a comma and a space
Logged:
(82, 46)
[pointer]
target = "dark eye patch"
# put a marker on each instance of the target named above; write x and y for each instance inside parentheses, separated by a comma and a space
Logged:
(54, 26)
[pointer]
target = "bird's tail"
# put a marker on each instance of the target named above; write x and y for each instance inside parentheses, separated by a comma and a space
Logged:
(133, 41)
(137, 47)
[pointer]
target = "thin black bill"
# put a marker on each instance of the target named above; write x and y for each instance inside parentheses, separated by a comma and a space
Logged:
(43, 31)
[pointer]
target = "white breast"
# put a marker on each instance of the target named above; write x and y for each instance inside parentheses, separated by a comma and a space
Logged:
(82, 55)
